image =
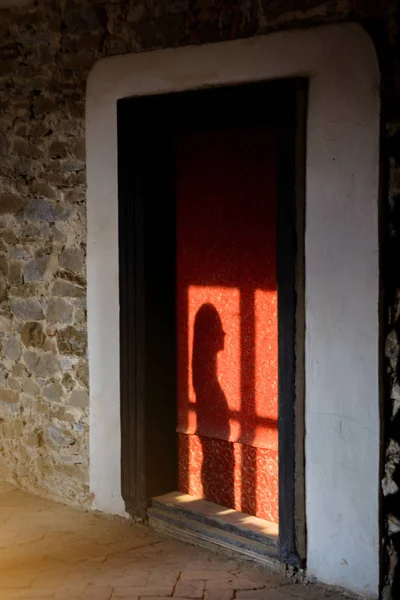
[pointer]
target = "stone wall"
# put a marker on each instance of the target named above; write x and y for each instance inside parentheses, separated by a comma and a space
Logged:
(391, 276)
(43, 364)
(46, 50)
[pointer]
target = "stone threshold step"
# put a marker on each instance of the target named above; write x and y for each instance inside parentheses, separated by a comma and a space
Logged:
(205, 523)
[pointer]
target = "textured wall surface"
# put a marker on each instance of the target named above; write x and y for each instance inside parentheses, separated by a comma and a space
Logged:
(227, 318)
(46, 50)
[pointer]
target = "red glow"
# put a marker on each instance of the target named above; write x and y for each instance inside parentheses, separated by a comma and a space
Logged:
(227, 320)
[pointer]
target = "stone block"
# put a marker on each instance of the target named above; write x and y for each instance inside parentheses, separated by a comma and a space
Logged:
(41, 189)
(15, 272)
(39, 209)
(79, 399)
(27, 309)
(7, 234)
(72, 341)
(32, 335)
(26, 290)
(59, 436)
(42, 365)
(50, 345)
(394, 525)
(27, 404)
(18, 370)
(72, 167)
(14, 384)
(40, 268)
(42, 408)
(12, 429)
(12, 203)
(59, 311)
(31, 387)
(72, 259)
(8, 410)
(9, 396)
(389, 487)
(12, 348)
(54, 392)
(74, 196)
(36, 231)
(67, 289)
(18, 252)
(58, 149)
(24, 148)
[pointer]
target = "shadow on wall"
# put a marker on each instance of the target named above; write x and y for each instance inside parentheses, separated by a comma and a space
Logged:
(209, 339)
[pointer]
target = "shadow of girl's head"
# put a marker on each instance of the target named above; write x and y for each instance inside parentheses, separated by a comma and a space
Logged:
(208, 334)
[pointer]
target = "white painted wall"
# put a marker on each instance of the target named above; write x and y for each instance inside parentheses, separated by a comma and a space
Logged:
(342, 414)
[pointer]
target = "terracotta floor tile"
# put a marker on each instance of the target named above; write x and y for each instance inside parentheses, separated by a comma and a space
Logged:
(52, 552)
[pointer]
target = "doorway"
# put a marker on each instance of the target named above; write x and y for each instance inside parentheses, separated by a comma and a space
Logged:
(211, 269)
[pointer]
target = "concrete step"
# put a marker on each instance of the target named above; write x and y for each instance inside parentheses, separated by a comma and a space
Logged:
(207, 524)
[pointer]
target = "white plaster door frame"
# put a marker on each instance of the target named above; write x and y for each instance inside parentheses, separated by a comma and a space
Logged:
(342, 446)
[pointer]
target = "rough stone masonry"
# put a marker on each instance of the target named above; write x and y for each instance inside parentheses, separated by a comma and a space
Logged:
(47, 48)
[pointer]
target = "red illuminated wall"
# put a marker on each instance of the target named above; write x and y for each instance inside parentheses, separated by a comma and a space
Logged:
(227, 319)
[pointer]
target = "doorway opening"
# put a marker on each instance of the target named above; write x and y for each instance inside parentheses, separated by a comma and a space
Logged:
(211, 228)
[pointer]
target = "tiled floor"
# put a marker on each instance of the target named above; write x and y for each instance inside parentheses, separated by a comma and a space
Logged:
(49, 551)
